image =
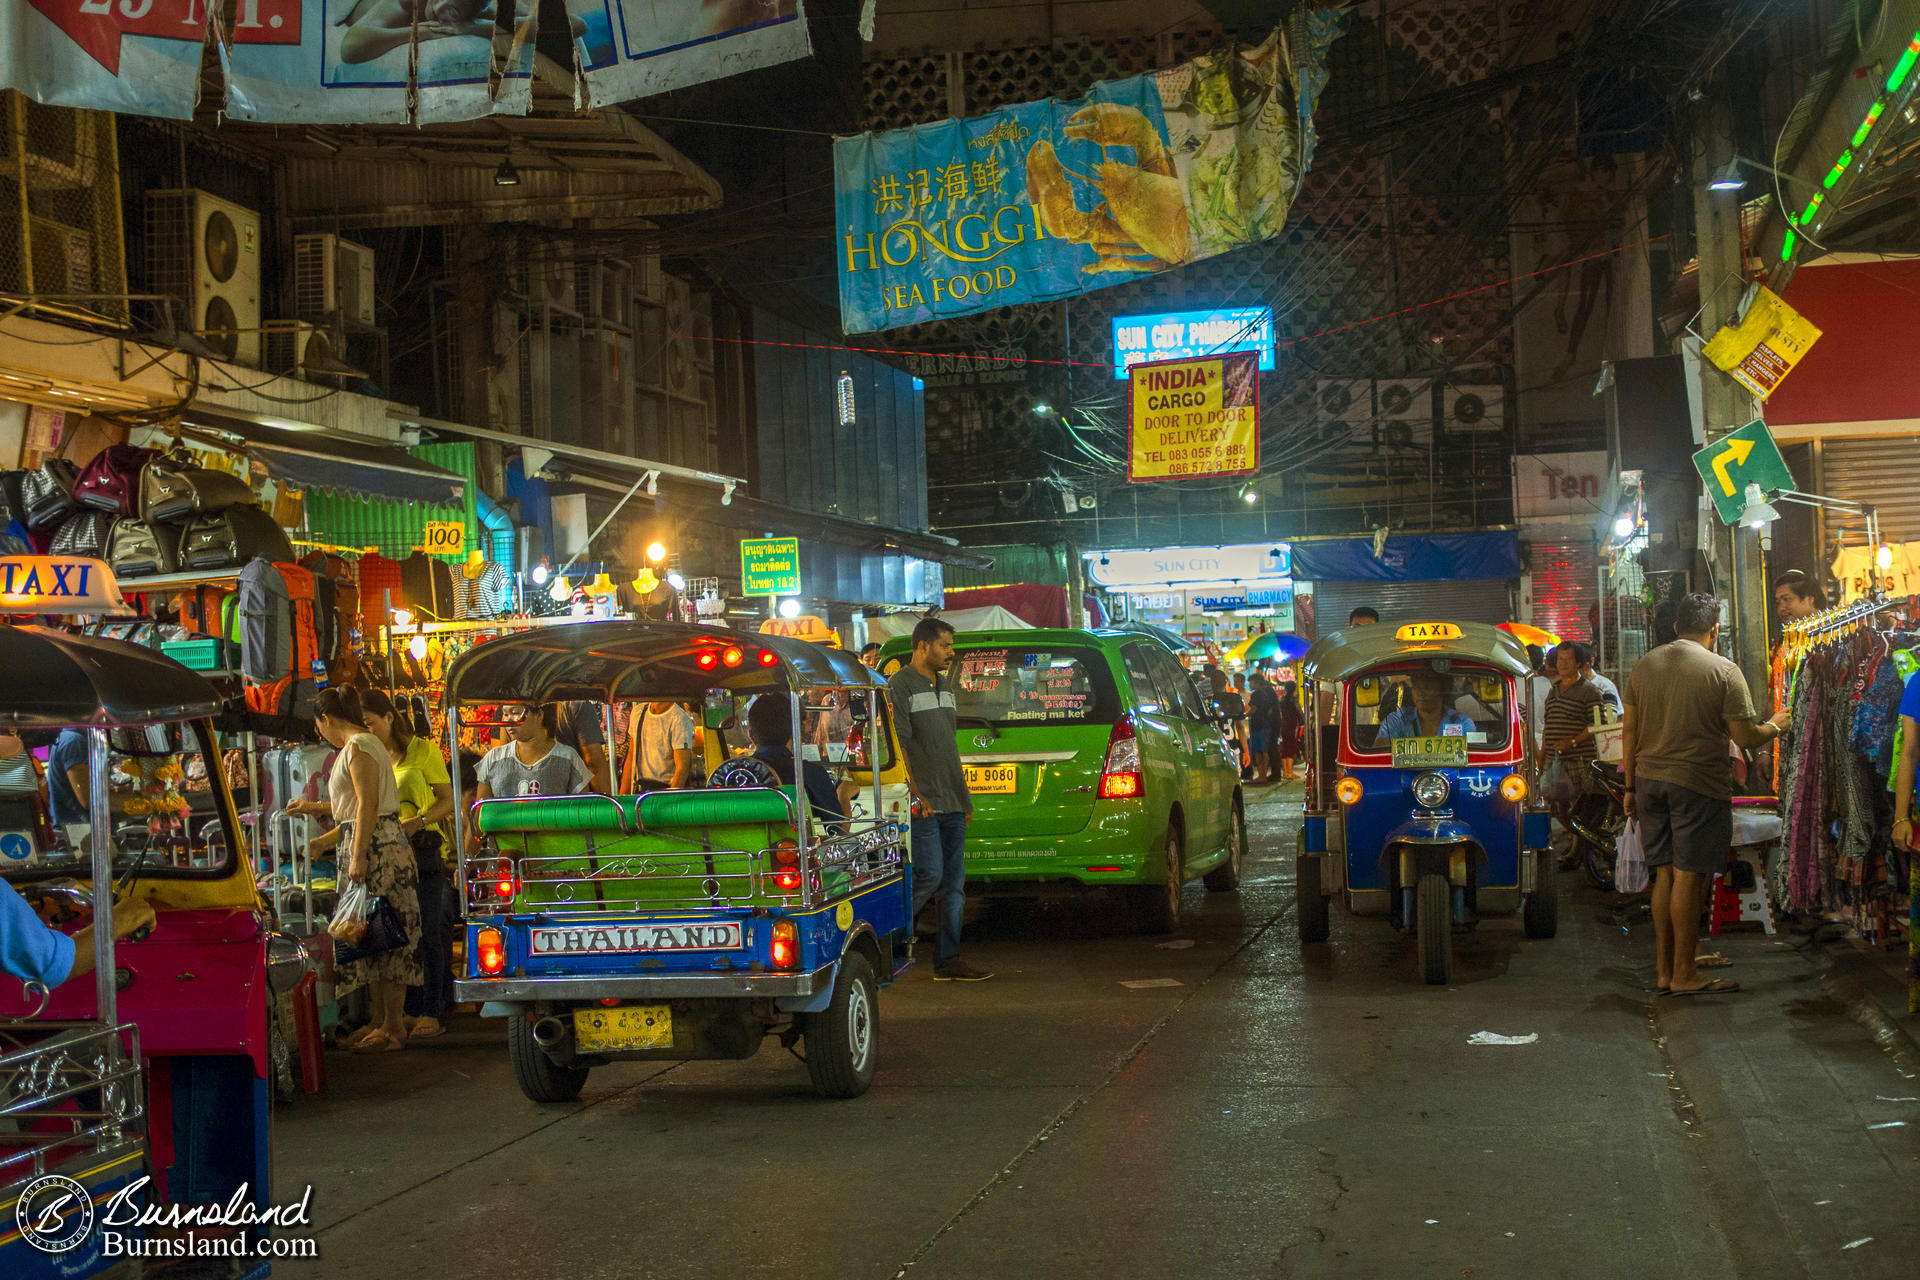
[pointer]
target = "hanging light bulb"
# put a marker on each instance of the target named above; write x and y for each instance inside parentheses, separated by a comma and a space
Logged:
(1884, 556)
(656, 551)
(675, 581)
(540, 572)
(402, 618)
(417, 647)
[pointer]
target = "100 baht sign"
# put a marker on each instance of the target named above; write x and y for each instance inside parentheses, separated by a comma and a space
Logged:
(1045, 200)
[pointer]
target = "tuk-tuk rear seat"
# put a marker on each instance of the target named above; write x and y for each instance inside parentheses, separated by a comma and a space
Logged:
(630, 815)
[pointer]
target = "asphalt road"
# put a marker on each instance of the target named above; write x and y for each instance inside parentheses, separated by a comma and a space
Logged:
(1256, 1109)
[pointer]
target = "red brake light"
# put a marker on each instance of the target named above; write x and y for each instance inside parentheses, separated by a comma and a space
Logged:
(1120, 777)
(786, 881)
(490, 949)
(503, 888)
(732, 656)
(857, 747)
(707, 660)
(768, 658)
(786, 944)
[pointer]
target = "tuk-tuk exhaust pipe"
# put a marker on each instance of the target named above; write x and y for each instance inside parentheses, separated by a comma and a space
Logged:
(549, 1033)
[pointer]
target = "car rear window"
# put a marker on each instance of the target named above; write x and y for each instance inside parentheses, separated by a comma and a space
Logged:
(1013, 684)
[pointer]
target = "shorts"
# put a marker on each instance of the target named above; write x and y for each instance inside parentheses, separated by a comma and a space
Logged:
(1681, 828)
(1258, 740)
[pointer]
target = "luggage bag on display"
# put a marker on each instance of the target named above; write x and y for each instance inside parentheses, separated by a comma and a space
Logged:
(287, 774)
(142, 549)
(47, 493)
(85, 533)
(111, 482)
(230, 538)
(174, 490)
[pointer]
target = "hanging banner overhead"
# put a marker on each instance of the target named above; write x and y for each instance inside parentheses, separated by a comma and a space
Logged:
(635, 48)
(1045, 200)
(91, 53)
(1194, 418)
(1762, 349)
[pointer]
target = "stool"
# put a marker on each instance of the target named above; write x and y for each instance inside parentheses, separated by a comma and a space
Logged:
(1729, 905)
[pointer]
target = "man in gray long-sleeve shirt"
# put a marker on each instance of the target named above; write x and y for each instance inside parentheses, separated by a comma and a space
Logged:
(923, 717)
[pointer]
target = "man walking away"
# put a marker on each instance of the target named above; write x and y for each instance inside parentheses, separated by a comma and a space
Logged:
(923, 715)
(1683, 702)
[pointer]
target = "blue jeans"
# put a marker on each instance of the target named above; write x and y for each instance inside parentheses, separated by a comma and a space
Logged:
(940, 865)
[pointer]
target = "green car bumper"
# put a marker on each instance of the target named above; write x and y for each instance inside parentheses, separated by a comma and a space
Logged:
(1118, 846)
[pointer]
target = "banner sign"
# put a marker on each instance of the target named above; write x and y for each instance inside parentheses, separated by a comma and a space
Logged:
(633, 48)
(770, 566)
(1183, 335)
(1046, 200)
(374, 61)
(1194, 418)
(1762, 349)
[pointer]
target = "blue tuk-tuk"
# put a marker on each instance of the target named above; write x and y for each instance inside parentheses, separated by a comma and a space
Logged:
(1421, 798)
(689, 923)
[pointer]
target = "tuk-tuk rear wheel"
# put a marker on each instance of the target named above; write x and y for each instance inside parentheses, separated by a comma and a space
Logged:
(540, 1077)
(1310, 902)
(1540, 917)
(842, 1039)
(1433, 923)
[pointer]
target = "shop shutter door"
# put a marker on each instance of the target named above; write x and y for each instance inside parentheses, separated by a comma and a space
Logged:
(1457, 600)
(1566, 575)
(1879, 472)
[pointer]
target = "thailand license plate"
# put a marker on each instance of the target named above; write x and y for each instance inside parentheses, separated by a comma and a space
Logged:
(991, 779)
(1429, 753)
(647, 1026)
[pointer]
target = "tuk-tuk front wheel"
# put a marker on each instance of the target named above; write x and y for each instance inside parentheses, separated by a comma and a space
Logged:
(1310, 902)
(1433, 922)
(842, 1039)
(539, 1076)
(1540, 917)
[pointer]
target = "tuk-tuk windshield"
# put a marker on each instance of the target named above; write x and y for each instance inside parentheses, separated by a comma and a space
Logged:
(1417, 702)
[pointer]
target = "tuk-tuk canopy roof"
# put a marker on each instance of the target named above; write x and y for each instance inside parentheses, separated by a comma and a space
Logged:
(55, 680)
(620, 660)
(1342, 655)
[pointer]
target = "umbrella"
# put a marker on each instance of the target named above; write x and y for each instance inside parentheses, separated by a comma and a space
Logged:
(1271, 645)
(1530, 634)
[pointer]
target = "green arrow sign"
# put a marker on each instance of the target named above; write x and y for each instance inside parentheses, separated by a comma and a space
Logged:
(770, 566)
(1731, 463)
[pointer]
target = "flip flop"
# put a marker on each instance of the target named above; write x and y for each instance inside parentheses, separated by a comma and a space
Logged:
(1718, 987)
(1712, 960)
(1662, 991)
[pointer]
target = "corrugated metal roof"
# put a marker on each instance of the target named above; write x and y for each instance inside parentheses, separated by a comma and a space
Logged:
(395, 527)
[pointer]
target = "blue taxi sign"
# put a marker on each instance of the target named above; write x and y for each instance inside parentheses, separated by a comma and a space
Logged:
(73, 585)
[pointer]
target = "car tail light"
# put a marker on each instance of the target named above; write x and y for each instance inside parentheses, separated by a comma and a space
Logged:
(1513, 788)
(1349, 790)
(1120, 776)
(610, 1002)
(1103, 868)
(786, 944)
(768, 658)
(706, 660)
(490, 951)
(732, 656)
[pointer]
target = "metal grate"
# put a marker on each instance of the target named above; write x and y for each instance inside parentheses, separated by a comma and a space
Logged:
(60, 228)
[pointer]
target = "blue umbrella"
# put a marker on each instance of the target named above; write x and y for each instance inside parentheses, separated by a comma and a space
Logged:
(1278, 647)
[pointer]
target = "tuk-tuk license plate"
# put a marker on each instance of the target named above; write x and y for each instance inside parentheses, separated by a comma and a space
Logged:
(991, 779)
(1429, 753)
(640, 1026)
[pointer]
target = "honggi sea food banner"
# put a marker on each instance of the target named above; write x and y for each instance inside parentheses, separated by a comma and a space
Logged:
(1045, 200)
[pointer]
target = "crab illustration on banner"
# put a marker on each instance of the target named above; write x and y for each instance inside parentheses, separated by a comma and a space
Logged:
(1194, 418)
(1045, 200)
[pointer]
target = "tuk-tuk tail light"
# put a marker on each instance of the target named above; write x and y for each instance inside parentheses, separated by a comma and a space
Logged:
(1349, 790)
(785, 948)
(1513, 788)
(490, 952)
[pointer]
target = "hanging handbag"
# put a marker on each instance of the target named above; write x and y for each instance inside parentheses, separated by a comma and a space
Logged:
(141, 549)
(228, 539)
(85, 533)
(111, 482)
(48, 493)
(171, 489)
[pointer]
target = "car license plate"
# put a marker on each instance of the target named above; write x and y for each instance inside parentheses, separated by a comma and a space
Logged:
(628, 939)
(1429, 753)
(640, 1026)
(991, 779)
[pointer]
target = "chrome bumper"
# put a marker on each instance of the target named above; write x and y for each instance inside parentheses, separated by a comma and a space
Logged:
(674, 986)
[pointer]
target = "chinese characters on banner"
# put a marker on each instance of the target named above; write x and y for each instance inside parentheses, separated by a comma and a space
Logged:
(1760, 351)
(1045, 200)
(1189, 419)
(375, 61)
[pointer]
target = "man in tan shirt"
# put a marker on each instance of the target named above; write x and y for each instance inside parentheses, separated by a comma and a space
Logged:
(1683, 703)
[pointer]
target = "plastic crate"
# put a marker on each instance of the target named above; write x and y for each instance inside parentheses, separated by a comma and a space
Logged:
(198, 655)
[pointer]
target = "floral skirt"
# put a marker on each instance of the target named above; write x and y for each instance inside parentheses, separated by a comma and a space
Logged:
(393, 877)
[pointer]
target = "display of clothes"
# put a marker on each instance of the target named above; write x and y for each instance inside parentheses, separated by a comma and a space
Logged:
(427, 584)
(482, 589)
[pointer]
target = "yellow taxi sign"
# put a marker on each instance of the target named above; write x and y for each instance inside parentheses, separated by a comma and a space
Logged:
(1420, 632)
(72, 585)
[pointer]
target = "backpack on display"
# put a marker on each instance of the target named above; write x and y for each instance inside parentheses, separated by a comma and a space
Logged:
(48, 494)
(279, 648)
(85, 533)
(230, 538)
(111, 482)
(141, 549)
(174, 490)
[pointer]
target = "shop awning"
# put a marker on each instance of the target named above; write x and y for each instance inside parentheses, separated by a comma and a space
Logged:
(337, 464)
(1416, 558)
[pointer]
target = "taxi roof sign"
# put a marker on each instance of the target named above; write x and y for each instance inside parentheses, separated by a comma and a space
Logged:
(1417, 632)
(72, 585)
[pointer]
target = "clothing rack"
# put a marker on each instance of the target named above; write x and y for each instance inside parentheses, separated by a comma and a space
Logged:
(1842, 618)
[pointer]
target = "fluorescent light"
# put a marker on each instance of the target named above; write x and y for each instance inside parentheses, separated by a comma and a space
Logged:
(1727, 178)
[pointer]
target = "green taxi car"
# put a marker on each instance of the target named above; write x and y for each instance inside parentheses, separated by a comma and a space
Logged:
(1093, 760)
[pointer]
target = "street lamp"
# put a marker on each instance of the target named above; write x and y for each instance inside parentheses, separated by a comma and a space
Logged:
(1759, 513)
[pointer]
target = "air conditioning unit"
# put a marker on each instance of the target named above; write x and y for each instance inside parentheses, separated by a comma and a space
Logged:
(550, 280)
(603, 291)
(206, 251)
(299, 349)
(57, 147)
(62, 257)
(1405, 400)
(1474, 409)
(330, 276)
(1402, 435)
(1343, 400)
(606, 402)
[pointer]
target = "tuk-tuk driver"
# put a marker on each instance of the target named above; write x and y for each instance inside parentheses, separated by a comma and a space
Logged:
(770, 722)
(1429, 716)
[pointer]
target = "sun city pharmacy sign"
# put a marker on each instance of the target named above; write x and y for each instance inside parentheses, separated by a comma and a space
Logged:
(1249, 562)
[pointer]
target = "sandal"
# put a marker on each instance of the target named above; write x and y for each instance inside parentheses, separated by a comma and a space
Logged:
(379, 1042)
(1712, 960)
(354, 1039)
(1718, 987)
(426, 1029)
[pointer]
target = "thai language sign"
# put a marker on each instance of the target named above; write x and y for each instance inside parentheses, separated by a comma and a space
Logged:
(375, 61)
(1183, 335)
(1193, 418)
(770, 566)
(1045, 200)
(1762, 349)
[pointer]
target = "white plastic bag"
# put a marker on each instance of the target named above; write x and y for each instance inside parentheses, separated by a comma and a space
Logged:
(1630, 860)
(350, 916)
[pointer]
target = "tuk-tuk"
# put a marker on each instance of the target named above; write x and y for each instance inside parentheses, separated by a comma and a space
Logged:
(1425, 809)
(688, 923)
(158, 1067)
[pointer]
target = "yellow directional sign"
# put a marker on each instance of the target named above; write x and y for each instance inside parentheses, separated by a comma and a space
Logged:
(1730, 464)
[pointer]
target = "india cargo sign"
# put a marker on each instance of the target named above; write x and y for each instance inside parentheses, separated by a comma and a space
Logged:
(1762, 349)
(770, 566)
(1191, 419)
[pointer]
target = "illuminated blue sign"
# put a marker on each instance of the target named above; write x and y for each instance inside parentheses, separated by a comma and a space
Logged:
(1184, 335)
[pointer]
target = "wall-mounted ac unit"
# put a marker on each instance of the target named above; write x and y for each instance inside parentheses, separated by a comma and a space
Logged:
(300, 349)
(62, 257)
(332, 276)
(206, 251)
(1405, 400)
(1474, 409)
(1401, 435)
(1343, 400)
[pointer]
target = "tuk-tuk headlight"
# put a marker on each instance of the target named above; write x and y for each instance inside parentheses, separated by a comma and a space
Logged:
(1513, 788)
(1432, 790)
(1348, 790)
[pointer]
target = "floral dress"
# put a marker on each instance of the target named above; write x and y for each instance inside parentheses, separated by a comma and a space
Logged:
(392, 874)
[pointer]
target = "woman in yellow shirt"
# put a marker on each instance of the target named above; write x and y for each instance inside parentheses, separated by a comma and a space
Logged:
(426, 802)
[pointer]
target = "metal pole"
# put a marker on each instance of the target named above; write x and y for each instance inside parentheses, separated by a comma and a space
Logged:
(101, 845)
(876, 738)
(801, 806)
(606, 729)
(452, 709)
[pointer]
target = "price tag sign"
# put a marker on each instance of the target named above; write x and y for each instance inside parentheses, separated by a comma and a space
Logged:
(446, 538)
